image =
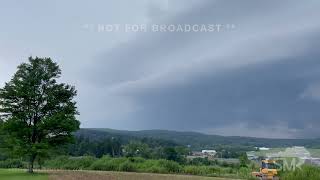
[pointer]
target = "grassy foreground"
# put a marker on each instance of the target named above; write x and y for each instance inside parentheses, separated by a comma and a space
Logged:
(16, 174)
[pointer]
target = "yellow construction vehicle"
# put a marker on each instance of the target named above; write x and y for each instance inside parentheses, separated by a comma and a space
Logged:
(268, 170)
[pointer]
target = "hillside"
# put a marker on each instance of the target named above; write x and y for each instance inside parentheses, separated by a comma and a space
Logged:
(198, 140)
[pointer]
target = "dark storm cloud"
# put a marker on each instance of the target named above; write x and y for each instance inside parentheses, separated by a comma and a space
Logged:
(255, 95)
(263, 74)
(150, 53)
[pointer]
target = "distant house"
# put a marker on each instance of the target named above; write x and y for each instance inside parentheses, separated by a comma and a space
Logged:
(209, 152)
(203, 154)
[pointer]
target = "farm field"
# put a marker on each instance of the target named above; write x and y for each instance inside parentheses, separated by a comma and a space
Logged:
(16, 174)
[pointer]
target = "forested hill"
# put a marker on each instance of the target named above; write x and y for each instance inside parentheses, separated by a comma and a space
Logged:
(197, 140)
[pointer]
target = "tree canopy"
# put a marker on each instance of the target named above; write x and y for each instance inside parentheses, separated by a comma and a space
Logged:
(38, 113)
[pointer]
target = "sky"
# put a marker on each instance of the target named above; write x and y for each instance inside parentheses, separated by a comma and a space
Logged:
(243, 68)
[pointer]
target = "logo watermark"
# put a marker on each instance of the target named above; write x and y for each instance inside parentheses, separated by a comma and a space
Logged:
(159, 28)
(291, 158)
(289, 164)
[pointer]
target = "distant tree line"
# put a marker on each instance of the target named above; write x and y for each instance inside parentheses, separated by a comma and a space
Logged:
(148, 148)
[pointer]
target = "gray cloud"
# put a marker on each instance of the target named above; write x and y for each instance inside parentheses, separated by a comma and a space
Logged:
(152, 54)
(254, 96)
(258, 74)
(312, 92)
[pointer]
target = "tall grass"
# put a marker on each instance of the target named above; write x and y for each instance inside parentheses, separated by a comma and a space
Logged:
(306, 172)
(137, 164)
(70, 163)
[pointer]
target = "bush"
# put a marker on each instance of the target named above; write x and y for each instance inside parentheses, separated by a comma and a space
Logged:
(138, 164)
(244, 172)
(306, 172)
(11, 163)
(193, 170)
(70, 163)
(151, 166)
(81, 162)
(202, 170)
(107, 164)
(170, 166)
(137, 159)
(127, 166)
(156, 169)
(135, 164)
(56, 163)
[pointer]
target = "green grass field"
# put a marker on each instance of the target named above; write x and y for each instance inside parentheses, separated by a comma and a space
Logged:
(17, 174)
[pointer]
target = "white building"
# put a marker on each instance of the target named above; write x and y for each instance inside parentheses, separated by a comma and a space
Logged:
(209, 152)
(263, 149)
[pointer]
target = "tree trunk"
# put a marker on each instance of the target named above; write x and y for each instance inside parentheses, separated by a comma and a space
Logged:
(30, 170)
(112, 151)
(40, 163)
(31, 162)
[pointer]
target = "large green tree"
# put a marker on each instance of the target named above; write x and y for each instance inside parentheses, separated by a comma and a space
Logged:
(38, 113)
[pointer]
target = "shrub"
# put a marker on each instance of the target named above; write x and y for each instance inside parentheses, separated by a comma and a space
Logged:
(244, 172)
(202, 170)
(137, 159)
(80, 162)
(156, 169)
(170, 166)
(56, 163)
(138, 164)
(11, 163)
(193, 170)
(107, 164)
(127, 166)
(151, 166)
(306, 172)
(70, 163)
